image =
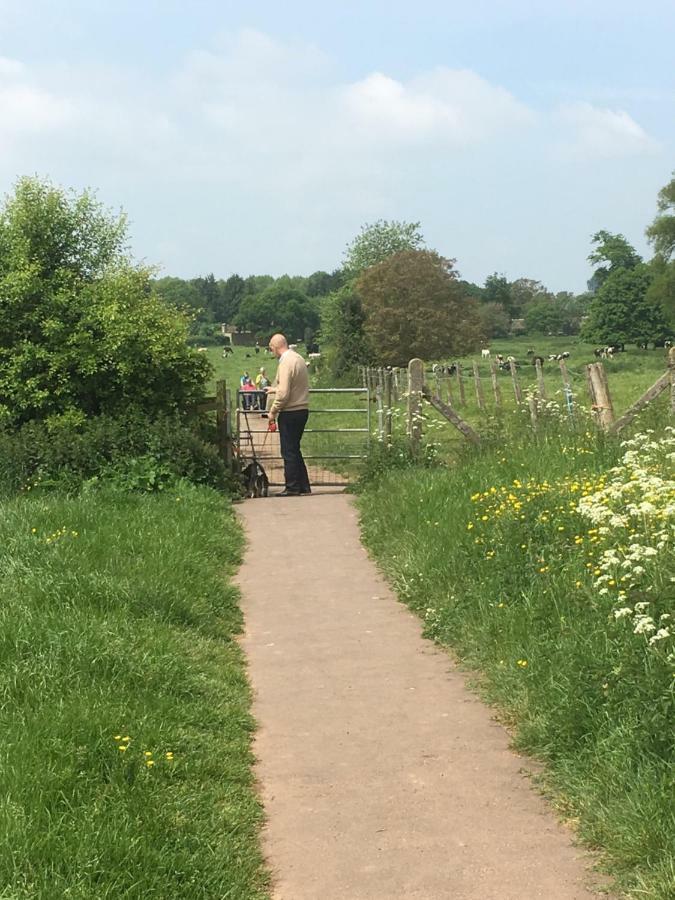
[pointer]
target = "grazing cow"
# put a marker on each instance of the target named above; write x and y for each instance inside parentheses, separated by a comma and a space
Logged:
(558, 357)
(314, 355)
(202, 349)
(485, 353)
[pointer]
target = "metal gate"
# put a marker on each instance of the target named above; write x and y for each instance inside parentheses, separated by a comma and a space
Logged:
(335, 441)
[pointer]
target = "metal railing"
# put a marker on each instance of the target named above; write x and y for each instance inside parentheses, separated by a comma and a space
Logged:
(335, 441)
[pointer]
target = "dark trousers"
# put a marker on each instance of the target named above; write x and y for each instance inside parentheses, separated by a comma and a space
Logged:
(291, 428)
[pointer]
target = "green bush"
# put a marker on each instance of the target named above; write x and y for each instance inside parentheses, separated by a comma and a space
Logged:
(81, 330)
(128, 451)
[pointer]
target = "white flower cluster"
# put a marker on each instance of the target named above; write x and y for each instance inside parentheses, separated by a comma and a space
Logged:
(635, 514)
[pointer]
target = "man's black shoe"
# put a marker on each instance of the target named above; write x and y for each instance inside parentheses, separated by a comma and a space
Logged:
(307, 491)
(287, 494)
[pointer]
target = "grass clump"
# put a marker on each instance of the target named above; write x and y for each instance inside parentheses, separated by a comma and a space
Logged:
(548, 567)
(125, 760)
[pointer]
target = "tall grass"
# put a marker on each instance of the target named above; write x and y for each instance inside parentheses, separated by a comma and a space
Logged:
(125, 756)
(516, 558)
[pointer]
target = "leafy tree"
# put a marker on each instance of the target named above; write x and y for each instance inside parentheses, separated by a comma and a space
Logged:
(621, 310)
(498, 290)
(543, 317)
(525, 292)
(495, 321)
(379, 241)
(415, 306)
(471, 289)
(178, 292)
(82, 331)
(343, 329)
(256, 284)
(612, 252)
(321, 284)
(233, 292)
(661, 232)
(661, 291)
(279, 308)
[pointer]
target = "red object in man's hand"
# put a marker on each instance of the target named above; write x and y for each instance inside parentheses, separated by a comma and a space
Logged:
(272, 426)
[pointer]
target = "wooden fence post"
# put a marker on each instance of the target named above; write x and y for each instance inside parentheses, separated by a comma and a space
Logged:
(415, 389)
(600, 396)
(380, 412)
(567, 388)
(496, 390)
(388, 405)
(541, 387)
(478, 386)
(671, 367)
(222, 427)
(516, 384)
(460, 384)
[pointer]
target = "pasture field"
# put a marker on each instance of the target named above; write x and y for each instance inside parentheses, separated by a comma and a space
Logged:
(630, 373)
(547, 566)
(231, 368)
(125, 758)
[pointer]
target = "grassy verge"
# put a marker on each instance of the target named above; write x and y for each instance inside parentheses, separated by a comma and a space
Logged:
(125, 759)
(550, 573)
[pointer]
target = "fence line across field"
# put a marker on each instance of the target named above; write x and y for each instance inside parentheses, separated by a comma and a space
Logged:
(388, 386)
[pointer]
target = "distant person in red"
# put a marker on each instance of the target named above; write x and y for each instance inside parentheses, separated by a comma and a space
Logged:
(291, 409)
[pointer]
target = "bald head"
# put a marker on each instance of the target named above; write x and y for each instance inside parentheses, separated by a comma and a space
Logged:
(278, 344)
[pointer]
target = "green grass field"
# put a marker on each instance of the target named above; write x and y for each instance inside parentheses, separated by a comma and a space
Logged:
(629, 373)
(125, 759)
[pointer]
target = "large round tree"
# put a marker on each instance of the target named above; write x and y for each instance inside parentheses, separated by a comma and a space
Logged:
(416, 306)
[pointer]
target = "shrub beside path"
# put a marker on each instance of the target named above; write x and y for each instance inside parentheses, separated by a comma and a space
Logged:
(382, 776)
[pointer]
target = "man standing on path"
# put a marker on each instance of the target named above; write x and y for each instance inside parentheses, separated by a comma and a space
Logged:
(291, 407)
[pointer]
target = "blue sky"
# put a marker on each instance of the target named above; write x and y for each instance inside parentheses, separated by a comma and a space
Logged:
(260, 137)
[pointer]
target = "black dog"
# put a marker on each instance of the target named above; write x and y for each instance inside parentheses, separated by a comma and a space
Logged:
(254, 477)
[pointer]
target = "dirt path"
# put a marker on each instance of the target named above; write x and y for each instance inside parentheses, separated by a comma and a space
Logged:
(382, 776)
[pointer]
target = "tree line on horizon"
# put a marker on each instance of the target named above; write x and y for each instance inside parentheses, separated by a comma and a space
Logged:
(393, 298)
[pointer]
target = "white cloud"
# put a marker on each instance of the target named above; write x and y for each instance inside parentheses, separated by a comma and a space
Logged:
(454, 105)
(255, 153)
(27, 108)
(594, 132)
(10, 68)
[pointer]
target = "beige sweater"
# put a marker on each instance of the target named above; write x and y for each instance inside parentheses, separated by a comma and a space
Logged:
(291, 386)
